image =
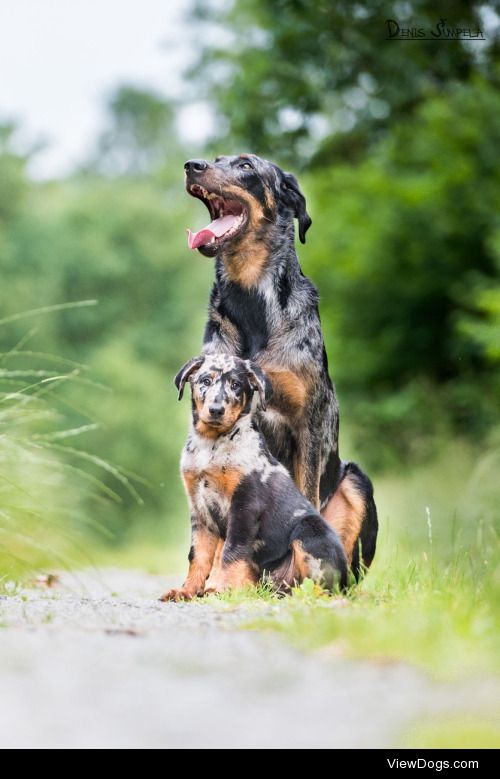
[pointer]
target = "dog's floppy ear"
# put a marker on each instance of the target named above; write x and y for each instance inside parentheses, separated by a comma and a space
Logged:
(185, 372)
(293, 197)
(260, 383)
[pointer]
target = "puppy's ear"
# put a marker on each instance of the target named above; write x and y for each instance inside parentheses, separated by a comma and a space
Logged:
(260, 383)
(185, 372)
(291, 194)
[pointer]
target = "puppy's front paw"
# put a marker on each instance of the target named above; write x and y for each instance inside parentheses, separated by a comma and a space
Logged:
(183, 593)
(214, 590)
(216, 585)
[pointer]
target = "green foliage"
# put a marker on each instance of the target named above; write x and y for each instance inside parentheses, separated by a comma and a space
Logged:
(140, 136)
(13, 184)
(44, 478)
(300, 80)
(401, 142)
(409, 251)
(124, 246)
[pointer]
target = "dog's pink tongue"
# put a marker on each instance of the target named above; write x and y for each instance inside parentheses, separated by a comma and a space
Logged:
(214, 230)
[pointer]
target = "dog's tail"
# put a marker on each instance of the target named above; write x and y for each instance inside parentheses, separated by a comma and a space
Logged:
(352, 513)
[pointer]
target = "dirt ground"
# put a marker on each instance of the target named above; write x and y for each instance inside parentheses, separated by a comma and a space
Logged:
(98, 662)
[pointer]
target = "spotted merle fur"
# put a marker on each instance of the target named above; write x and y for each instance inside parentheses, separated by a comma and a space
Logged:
(264, 309)
(241, 495)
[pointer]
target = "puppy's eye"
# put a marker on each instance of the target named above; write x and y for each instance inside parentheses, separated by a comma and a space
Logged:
(235, 385)
(206, 382)
(246, 166)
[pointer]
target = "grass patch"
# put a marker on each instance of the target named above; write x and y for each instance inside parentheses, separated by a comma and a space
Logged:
(47, 486)
(262, 593)
(456, 732)
(435, 620)
(432, 597)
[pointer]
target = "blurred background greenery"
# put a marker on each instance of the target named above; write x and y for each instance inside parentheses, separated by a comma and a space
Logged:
(396, 147)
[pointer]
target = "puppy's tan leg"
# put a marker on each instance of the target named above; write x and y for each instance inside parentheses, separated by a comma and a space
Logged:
(216, 572)
(201, 557)
(236, 575)
(345, 512)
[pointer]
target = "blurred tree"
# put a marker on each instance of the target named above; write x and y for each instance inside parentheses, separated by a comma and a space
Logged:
(13, 183)
(121, 242)
(399, 139)
(317, 81)
(140, 137)
(405, 247)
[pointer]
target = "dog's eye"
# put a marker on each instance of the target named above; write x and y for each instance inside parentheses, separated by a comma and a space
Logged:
(235, 385)
(206, 381)
(245, 166)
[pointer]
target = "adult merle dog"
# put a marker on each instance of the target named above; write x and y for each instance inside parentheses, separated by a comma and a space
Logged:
(264, 309)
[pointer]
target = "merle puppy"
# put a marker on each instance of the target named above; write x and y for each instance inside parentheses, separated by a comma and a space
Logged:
(241, 495)
(264, 309)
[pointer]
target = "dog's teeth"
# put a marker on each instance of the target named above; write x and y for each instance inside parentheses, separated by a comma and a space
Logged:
(213, 240)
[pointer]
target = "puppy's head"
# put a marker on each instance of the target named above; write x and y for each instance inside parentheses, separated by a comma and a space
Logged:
(222, 390)
(246, 196)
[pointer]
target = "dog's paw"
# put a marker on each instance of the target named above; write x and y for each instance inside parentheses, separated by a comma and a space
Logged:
(179, 594)
(215, 587)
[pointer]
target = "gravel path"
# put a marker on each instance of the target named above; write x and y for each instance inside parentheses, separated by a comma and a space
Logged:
(98, 662)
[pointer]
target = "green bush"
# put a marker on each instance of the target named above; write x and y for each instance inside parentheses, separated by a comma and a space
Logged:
(404, 248)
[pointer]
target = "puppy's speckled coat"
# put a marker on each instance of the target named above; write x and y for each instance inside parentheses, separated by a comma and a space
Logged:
(240, 494)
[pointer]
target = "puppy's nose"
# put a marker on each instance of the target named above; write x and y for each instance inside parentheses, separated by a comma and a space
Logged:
(195, 166)
(216, 411)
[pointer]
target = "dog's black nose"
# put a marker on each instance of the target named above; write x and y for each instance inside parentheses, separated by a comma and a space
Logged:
(195, 166)
(216, 412)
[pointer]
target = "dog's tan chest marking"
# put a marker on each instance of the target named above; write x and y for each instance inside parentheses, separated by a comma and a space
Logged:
(247, 266)
(213, 487)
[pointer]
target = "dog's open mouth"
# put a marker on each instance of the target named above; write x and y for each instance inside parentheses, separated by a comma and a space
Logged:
(229, 217)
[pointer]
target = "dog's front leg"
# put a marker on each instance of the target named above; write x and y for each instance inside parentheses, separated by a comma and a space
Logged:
(201, 557)
(238, 568)
(306, 465)
(215, 573)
